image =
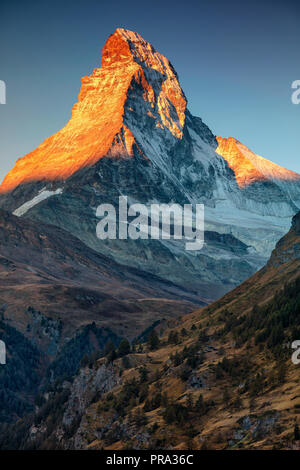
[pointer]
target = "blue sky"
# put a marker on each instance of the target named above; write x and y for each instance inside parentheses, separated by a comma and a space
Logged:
(236, 62)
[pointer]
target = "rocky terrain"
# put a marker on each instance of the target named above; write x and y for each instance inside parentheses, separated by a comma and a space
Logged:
(131, 134)
(121, 343)
(220, 378)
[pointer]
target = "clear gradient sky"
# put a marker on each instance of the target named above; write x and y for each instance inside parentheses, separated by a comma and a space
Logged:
(236, 62)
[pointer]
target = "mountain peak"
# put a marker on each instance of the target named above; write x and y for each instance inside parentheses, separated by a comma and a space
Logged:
(124, 46)
(249, 167)
(116, 49)
(133, 79)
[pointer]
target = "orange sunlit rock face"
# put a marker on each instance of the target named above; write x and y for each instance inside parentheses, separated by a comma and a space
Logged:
(96, 127)
(249, 167)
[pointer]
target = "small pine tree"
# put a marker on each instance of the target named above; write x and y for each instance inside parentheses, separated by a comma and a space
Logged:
(126, 362)
(164, 399)
(147, 405)
(226, 396)
(252, 404)
(124, 348)
(153, 340)
(112, 355)
(140, 418)
(173, 337)
(189, 401)
(200, 405)
(143, 374)
(177, 359)
(281, 372)
(143, 393)
(108, 347)
(237, 404)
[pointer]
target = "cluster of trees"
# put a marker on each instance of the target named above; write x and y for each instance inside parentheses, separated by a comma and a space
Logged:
(112, 353)
(20, 377)
(152, 403)
(176, 413)
(236, 367)
(272, 324)
(124, 348)
(190, 355)
(16, 435)
(153, 340)
(142, 338)
(179, 413)
(175, 336)
(82, 350)
(122, 402)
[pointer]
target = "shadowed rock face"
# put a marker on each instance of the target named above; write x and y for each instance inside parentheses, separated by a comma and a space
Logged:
(49, 276)
(296, 223)
(131, 134)
(288, 248)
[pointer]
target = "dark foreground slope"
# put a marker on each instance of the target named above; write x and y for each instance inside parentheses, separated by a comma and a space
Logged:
(222, 378)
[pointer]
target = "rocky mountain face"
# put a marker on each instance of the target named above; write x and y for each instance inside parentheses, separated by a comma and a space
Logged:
(221, 378)
(288, 248)
(132, 134)
(250, 168)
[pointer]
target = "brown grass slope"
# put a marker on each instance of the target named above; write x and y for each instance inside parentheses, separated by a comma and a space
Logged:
(210, 384)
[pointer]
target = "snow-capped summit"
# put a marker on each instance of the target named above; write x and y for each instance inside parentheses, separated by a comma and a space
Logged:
(131, 70)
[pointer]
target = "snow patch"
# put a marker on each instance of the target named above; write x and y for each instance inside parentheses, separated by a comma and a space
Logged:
(44, 194)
